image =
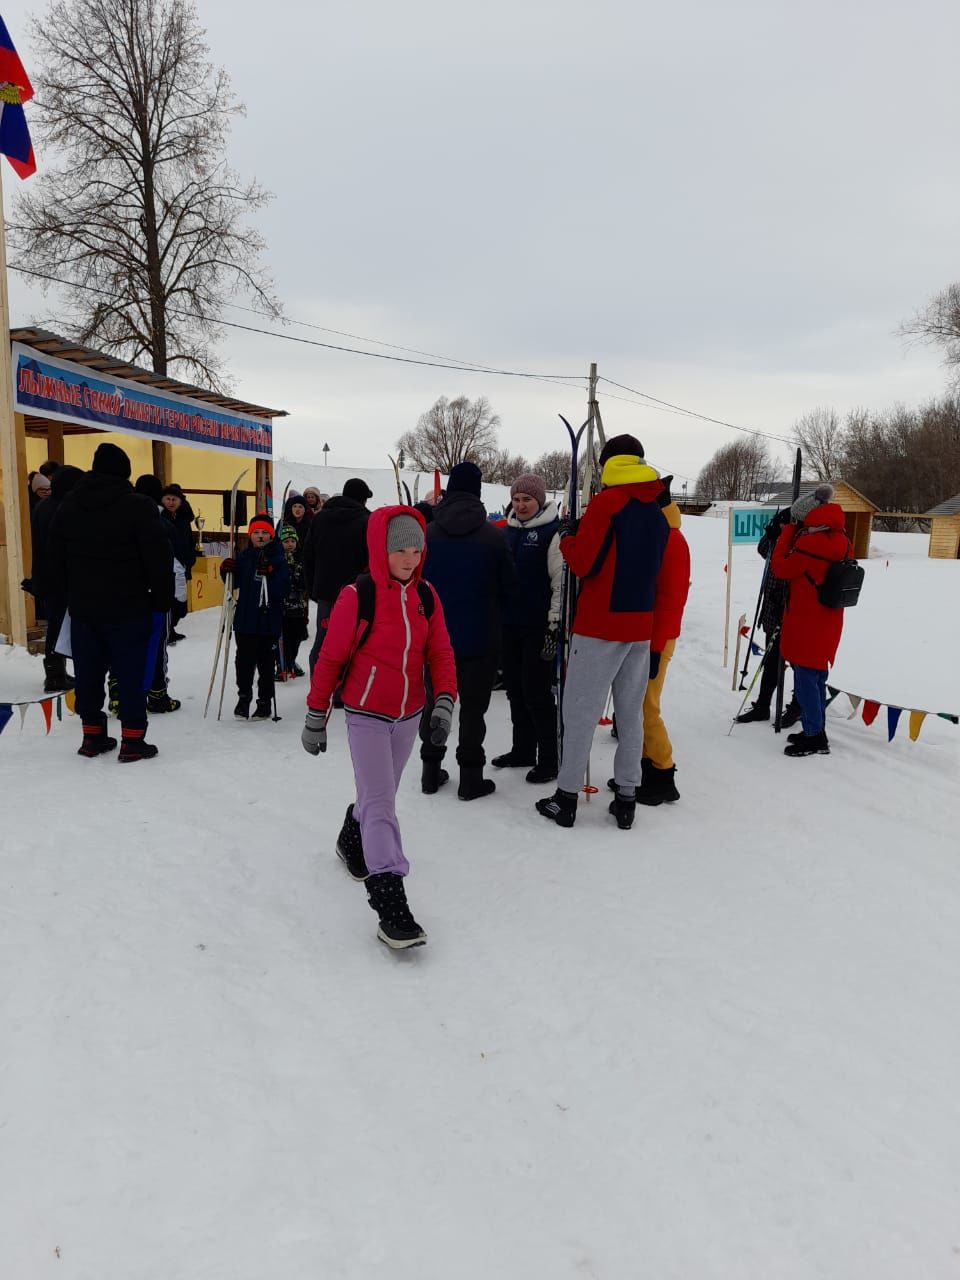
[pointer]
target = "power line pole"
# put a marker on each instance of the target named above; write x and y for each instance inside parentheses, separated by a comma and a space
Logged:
(591, 427)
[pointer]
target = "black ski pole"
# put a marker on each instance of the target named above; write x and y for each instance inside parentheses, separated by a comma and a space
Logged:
(756, 619)
(781, 665)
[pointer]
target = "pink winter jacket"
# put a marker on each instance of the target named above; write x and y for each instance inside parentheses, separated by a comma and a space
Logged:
(384, 678)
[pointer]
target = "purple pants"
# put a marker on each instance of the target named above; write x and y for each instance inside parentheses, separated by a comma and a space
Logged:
(380, 750)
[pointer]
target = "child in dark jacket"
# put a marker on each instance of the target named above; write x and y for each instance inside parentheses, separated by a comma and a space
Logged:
(381, 672)
(294, 606)
(261, 579)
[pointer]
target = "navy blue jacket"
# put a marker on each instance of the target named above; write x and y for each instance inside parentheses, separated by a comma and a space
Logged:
(469, 565)
(529, 545)
(250, 618)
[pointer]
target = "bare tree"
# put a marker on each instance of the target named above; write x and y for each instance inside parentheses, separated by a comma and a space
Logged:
(452, 431)
(554, 468)
(504, 467)
(939, 323)
(820, 435)
(737, 471)
(142, 215)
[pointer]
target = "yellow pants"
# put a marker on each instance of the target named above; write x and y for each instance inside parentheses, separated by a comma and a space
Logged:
(656, 741)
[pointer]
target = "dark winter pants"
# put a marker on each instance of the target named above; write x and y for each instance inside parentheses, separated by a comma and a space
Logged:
(475, 678)
(117, 647)
(158, 683)
(768, 676)
(255, 653)
(292, 640)
(811, 690)
(324, 608)
(379, 750)
(529, 682)
(56, 608)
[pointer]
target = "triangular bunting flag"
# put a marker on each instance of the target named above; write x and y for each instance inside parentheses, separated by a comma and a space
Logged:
(945, 715)
(46, 706)
(6, 714)
(870, 711)
(834, 693)
(70, 698)
(23, 712)
(916, 720)
(893, 719)
(755, 649)
(854, 704)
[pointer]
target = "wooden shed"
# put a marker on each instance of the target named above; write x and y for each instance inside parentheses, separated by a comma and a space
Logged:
(858, 510)
(945, 530)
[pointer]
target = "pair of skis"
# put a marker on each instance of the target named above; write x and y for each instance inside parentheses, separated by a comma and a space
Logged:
(403, 489)
(225, 633)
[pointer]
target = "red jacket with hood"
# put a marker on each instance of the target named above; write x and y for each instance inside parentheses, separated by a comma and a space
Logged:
(384, 678)
(811, 632)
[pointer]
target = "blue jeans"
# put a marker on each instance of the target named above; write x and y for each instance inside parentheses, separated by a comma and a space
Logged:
(810, 687)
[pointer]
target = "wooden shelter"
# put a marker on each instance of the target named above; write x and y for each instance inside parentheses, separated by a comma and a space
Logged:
(858, 511)
(945, 530)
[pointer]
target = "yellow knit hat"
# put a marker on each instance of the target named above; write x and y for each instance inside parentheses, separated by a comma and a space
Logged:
(625, 468)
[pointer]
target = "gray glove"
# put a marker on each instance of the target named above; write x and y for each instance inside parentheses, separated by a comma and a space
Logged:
(314, 736)
(551, 642)
(441, 718)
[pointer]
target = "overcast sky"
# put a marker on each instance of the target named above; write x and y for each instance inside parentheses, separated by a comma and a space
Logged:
(727, 206)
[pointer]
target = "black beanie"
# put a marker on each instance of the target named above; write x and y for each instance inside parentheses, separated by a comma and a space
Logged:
(618, 445)
(150, 487)
(357, 489)
(465, 477)
(110, 460)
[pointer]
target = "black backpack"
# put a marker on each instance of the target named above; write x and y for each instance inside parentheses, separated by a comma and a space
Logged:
(840, 588)
(367, 602)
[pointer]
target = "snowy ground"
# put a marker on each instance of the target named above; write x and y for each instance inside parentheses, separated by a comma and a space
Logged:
(723, 1046)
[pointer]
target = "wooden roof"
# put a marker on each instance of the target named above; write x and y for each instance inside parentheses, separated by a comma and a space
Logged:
(949, 508)
(783, 497)
(51, 344)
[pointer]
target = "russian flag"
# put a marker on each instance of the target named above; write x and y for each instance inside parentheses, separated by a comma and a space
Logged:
(15, 90)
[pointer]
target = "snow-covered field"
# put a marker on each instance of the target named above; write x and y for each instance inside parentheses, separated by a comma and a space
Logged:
(723, 1046)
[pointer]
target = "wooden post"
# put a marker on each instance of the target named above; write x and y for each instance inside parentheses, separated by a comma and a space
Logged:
(741, 626)
(160, 460)
(12, 463)
(588, 452)
(264, 473)
(55, 450)
(726, 607)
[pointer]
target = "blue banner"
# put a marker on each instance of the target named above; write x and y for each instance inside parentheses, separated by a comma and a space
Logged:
(72, 393)
(750, 523)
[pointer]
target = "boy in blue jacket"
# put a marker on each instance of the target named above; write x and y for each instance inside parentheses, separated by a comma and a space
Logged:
(261, 580)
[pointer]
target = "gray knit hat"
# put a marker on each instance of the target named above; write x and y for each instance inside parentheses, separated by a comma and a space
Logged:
(531, 485)
(404, 531)
(805, 504)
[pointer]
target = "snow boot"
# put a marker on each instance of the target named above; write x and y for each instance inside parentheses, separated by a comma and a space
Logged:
(159, 702)
(133, 746)
(387, 896)
(432, 777)
(791, 715)
(55, 670)
(513, 759)
(816, 745)
(623, 809)
(296, 670)
(95, 740)
(473, 785)
(263, 710)
(754, 715)
(541, 773)
(560, 808)
(242, 710)
(657, 785)
(795, 737)
(350, 847)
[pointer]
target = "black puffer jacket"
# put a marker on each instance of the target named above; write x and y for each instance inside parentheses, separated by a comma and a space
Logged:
(41, 518)
(776, 590)
(470, 566)
(108, 552)
(336, 547)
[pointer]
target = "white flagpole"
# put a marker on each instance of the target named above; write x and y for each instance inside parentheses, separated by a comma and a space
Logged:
(9, 470)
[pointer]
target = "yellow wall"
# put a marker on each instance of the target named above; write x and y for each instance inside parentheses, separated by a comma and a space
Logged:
(191, 468)
(944, 537)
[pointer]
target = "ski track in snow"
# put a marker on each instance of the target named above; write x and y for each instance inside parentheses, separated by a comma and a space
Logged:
(721, 1046)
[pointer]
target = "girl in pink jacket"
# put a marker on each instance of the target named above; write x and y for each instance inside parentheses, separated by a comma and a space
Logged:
(381, 633)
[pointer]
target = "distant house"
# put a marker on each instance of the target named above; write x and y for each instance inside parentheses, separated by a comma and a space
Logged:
(858, 510)
(945, 529)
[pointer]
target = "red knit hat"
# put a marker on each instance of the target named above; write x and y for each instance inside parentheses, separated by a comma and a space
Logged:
(261, 522)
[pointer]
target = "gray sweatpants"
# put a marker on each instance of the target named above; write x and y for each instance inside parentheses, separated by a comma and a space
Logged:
(593, 667)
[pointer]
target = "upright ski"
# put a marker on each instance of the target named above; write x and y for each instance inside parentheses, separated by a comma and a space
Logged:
(396, 477)
(226, 608)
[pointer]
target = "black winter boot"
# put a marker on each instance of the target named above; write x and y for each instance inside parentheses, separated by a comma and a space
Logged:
(95, 740)
(541, 773)
(55, 670)
(473, 785)
(432, 777)
(159, 702)
(133, 746)
(791, 715)
(623, 809)
(657, 785)
(560, 808)
(242, 709)
(263, 710)
(387, 896)
(350, 847)
(754, 715)
(816, 745)
(513, 759)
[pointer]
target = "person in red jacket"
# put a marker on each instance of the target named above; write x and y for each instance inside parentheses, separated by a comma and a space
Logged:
(617, 553)
(811, 631)
(378, 666)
